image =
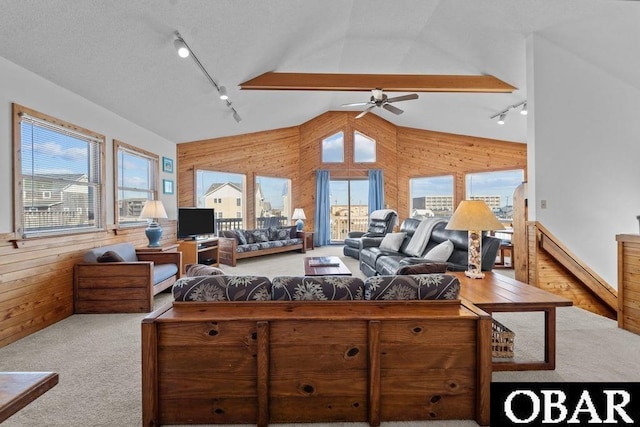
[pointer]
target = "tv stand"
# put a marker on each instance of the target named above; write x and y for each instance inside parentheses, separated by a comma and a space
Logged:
(201, 251)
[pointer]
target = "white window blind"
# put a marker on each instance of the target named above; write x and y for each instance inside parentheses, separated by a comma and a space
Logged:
(136, 181)
(61, 178)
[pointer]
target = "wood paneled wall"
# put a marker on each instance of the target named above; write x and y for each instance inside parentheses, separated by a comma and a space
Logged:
(424, 153)
(273, 153)
(402, 153)
(36, 276)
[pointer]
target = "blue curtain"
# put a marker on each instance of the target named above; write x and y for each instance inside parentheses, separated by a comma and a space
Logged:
(376, 190)
(322, 235)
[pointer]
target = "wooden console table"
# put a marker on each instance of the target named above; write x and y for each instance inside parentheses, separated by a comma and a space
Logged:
(18, 389)
(496, 292)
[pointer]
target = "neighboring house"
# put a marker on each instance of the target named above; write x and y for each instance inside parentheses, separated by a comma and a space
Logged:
(55, 193)
(226, 199)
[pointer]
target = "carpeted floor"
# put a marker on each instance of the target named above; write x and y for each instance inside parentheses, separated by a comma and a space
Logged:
(98, 356)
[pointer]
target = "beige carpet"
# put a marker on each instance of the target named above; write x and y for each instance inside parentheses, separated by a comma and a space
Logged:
(98, 356)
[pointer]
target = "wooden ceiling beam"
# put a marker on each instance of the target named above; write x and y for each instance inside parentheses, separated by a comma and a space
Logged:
(386, 82)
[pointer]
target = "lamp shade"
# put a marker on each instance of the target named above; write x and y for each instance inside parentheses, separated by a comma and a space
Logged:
(153, 209)
(474, 215)
(298, 213)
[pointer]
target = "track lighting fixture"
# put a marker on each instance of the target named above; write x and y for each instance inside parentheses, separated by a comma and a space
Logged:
(524, 111)
(502, 115)
(183, 51)
(181, 47)
(236, 116)
(223, 93)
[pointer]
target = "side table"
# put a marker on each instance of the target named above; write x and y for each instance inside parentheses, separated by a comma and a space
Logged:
(168, 247)
(308, 236)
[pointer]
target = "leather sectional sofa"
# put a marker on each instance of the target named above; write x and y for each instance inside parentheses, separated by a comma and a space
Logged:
(377, 261)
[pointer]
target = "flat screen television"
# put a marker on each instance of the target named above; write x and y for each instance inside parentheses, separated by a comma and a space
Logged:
(196, 222)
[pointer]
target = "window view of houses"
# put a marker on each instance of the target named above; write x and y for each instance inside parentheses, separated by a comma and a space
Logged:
(225, 193)
(60, 178)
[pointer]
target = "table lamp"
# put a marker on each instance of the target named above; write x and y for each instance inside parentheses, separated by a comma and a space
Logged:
(475, 217)
(153, 209)
(298, 214)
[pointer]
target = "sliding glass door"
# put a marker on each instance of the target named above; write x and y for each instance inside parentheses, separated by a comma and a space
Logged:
(349, 207)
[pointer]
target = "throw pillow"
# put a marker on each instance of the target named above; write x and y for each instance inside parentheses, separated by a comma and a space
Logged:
(201, 270)
(110, 256)
(441, 252)
(258, 236)
(241, 237)
(392, 241)
(423, 268)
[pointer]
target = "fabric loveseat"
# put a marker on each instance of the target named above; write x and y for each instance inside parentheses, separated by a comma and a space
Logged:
(381, 222)
(118, 279)
(237, 244)
(376, 260)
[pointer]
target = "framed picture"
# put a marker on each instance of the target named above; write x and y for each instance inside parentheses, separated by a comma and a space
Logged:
(167, 186)
(167, 165)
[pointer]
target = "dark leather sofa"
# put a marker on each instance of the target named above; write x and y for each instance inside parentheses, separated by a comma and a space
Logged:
(376, 261)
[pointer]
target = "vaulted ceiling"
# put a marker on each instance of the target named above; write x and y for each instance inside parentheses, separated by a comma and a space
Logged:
(119, 54)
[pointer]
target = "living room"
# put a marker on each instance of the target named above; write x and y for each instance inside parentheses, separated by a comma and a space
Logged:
(579, 139)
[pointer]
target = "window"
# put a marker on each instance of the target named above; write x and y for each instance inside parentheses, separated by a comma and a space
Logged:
(496, 189)
(273, 201)
(136, 182)
(431, 196)
(349, 207)
(59, 176)
(364, 148)
(333, 148)
(227, 191)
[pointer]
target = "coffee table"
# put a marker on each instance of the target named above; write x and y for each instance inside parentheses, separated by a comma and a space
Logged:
(325, 266)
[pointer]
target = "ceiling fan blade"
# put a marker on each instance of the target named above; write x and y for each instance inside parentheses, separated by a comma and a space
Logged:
(403, 97)
(365, 112)
(356, 104)
(394, 110)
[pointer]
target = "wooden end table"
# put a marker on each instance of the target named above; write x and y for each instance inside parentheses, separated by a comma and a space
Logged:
(496, 292)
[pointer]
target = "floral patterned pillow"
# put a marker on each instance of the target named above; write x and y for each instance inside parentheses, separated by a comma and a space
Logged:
(222, 288)
(412, 287)
(321, 288)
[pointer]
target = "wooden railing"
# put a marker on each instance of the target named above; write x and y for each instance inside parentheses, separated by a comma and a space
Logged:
(224, 224)
(587, 277)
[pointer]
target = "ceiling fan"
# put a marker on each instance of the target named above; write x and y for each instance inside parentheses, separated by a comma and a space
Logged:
(380, 99)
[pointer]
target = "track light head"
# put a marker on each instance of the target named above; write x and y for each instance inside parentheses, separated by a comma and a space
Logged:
(236, 116)
(524, 111)
(502, 118)
(181, 47)
(223, 93)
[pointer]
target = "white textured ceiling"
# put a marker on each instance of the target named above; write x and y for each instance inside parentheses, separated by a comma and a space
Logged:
(120, 55)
